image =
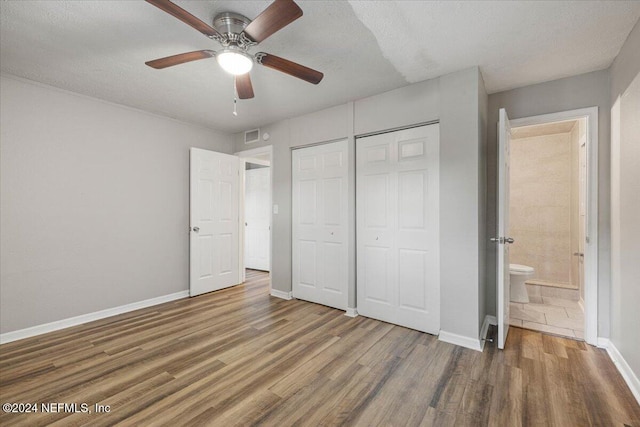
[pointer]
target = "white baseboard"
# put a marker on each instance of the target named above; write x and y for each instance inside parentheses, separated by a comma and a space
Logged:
(89, 317)
(351, 312)
(468, 342)
(281, 294)
(623, 367)
(461, 340)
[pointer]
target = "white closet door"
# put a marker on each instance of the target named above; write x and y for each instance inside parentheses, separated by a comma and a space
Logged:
(257, 202)
(213, 258)
(320, 231)
(398, 271)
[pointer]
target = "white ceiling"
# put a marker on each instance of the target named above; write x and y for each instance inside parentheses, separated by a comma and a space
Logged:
(98, 48)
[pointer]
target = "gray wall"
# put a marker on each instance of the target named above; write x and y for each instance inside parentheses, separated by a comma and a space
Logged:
(585, 90)
(460, 205)
(625, 202)
(483, 114)
(94, 203)
(452, 99)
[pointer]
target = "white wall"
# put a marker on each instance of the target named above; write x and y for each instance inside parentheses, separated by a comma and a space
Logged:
(452, 99)
(625, 202)
(94, 200)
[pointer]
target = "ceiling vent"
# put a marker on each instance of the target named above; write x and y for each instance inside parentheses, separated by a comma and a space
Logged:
(251, 136)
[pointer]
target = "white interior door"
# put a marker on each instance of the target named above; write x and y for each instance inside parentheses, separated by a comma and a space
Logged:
(398, 263)
(504, 142)
(214, 236)
(320, 231)
(257, 205)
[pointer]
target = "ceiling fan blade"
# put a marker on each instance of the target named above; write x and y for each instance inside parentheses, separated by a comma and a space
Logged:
(186, 17)
(278, 15)
(244, 86)
(170, 61)
(289, 67)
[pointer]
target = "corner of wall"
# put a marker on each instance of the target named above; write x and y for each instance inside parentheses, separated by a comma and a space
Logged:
(460, 228)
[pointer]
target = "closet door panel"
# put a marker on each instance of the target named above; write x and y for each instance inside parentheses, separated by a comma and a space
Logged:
(397, 204)
(319, 224)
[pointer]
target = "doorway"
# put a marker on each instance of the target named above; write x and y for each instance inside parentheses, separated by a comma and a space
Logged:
(257, 218)
(255, 208)
(548, 224)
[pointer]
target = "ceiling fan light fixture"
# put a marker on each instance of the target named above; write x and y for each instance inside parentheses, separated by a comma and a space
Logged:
(235, 62)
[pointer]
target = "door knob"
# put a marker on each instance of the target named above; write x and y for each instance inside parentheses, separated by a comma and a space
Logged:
(580, 254)
(508, 240)
(196, 229)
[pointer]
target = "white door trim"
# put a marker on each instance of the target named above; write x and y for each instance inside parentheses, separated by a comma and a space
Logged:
(591, 248)
(255, 155)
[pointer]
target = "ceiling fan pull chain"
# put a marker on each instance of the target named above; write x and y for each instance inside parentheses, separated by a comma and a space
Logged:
(235, 98)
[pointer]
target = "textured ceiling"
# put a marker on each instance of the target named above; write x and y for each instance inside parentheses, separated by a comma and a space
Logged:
(98, 48)
(515, 43)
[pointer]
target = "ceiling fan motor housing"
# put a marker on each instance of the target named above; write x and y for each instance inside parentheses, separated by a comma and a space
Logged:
(232, 25)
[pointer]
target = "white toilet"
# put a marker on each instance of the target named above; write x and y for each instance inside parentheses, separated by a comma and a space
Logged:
(518, 274)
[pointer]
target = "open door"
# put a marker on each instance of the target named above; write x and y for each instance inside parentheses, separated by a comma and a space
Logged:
(214, 236)
(502, 241)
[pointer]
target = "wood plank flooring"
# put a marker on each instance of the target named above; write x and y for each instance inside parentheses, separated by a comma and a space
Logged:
(242, 357)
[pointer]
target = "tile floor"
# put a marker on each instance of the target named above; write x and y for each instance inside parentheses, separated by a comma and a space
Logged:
(555, 316)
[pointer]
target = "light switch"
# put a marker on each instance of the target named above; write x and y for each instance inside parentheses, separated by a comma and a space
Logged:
(275, 209)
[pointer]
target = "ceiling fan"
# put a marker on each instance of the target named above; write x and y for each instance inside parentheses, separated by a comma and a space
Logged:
(237, 34)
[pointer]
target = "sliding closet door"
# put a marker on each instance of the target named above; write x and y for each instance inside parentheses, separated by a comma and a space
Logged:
(320, 232)
(398, 271)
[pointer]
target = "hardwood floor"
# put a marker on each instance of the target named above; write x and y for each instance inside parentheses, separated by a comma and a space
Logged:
(242, 357)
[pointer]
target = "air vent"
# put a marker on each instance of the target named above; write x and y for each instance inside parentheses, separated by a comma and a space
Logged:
(252, 136)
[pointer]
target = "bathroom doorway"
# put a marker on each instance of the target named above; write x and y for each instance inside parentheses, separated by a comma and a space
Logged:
(551, 194)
